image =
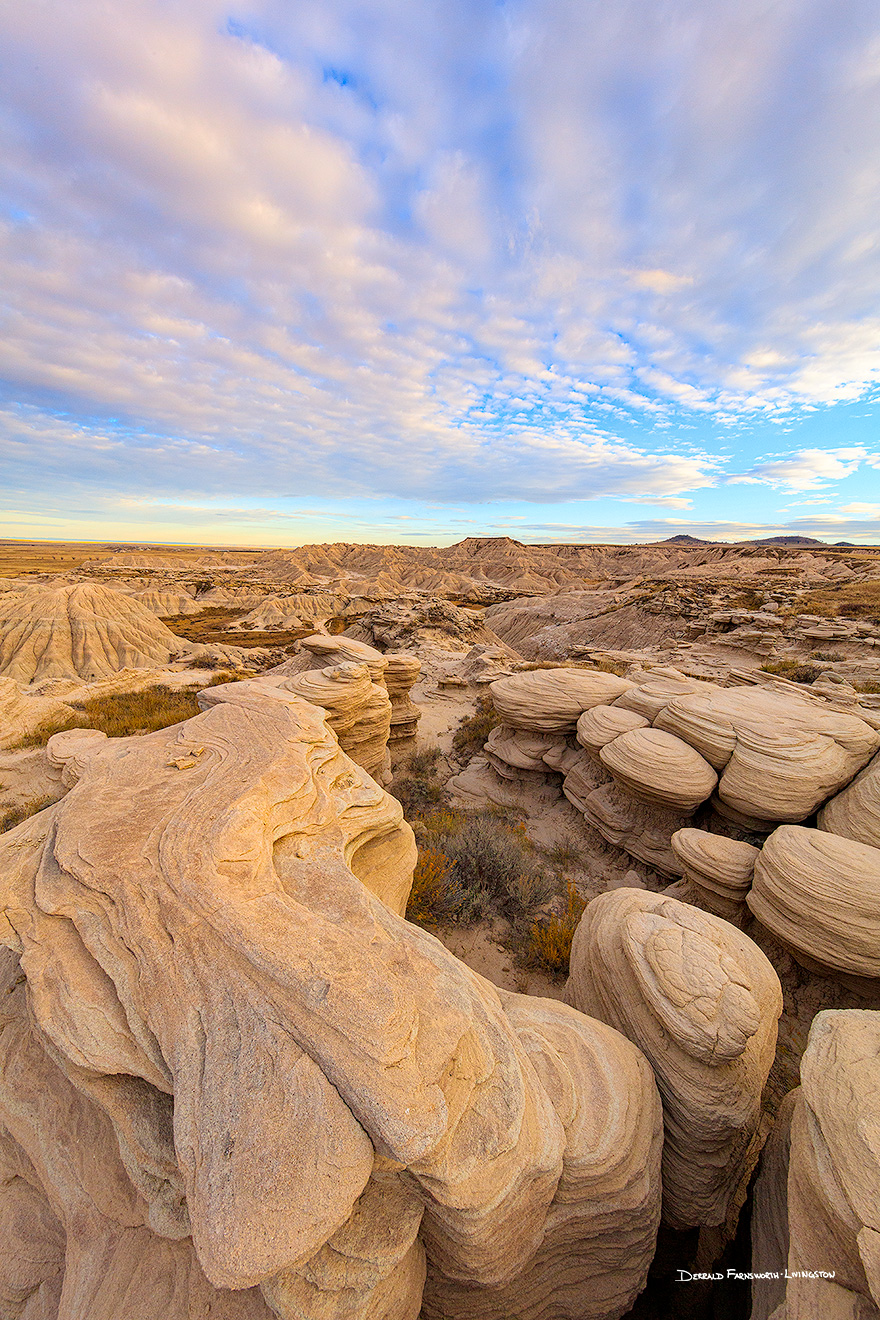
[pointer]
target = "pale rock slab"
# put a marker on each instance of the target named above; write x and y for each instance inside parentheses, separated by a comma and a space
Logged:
(401, 674)
(855, 812)
(602, 724)
(834, 1173)
(820, 895)
(552, 700)
(659, 768)
(702, 1003)
(652, 697)
(279, 1083)
(22, 712)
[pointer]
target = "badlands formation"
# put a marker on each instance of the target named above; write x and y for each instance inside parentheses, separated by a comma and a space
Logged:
(237, 1081)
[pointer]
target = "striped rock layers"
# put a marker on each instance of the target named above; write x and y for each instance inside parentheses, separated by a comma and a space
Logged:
(233, 1080)
(702, 1003)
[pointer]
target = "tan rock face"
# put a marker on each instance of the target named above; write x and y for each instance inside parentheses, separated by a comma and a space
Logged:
(84, 631)
(855, 813)
(401, 673)
(702, 1003)
(719, 870)
(834, 1174)
(22, 712)
(820, 895)
(602, 724)
(358, 710)
(232, 1067)
(658, 767)
(779, 756)
(552, 700)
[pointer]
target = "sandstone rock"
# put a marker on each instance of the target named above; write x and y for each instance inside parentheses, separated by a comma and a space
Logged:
(552, 700)
(702, 1002)
(82, 631)
(719, 870)
(339, 650)
(770, 1240)
(781, 756)
(653, 696)
(520, 749)
(658, 767)
(602, 724)
(23, 712)
(820, 895)
(358, 710)
(237, 1068)
(834, 1174)
(401, 673)
(644, 831)
(855, 812)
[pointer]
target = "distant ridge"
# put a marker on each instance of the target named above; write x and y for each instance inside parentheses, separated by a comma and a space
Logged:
(684, 539)
(786, 540)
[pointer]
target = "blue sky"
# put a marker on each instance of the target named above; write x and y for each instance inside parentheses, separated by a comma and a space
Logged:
(392, 270)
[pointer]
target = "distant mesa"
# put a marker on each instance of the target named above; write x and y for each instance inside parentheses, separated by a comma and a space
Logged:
(685, 540)
(788, 540)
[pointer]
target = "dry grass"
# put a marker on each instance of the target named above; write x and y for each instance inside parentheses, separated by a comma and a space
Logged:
(211, 627)
(20, 557)
(13, 816)
(796, 671)
(547, 946)
(416, 783)
(472, 732)
(857, 600)
(122, 713)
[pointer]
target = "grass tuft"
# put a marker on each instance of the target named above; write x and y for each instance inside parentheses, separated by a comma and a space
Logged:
(472, 732)
(797, 671)
(121, 713)
(13, 816)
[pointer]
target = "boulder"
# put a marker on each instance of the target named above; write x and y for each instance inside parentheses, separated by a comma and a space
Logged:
(855, 812)
(702, 1002)
(552, 700)
(820, 895)
(232, 1076)
(653, 696)
(401, 673)
(602, 724)
(717, 869)
(658, 767)
(834, 1172)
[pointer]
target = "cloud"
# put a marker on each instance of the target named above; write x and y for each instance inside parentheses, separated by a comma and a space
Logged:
(807, 469)
(459, 251)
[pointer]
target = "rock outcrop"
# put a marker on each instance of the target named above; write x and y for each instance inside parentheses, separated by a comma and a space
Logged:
(552, 700)
(22, 712)
(84, 631)
(834, 1173)
(820, 895)
(702, 1002)
(401, 674)
(658, 767)
(717, 870)
(232, 1077)
(855, 813)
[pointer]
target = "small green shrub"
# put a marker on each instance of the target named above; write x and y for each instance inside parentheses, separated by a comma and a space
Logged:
(547, 946)
(417, 784)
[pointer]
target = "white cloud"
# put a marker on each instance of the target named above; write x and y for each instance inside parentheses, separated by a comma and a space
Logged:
(807, 469)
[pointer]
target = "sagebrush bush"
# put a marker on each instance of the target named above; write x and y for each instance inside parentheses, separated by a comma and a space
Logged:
(417, 784)
(547, 946)
(797, 671)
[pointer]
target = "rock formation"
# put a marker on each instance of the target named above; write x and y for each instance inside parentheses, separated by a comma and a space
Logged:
(718, 871)
(551, 700)
(401, 674)
(358, 710)
(820, 895)
(702, 1002)
(834, 1173)
(21, 712)
(855, 813)
(84, 631)
(658, 767)
(233, 1078)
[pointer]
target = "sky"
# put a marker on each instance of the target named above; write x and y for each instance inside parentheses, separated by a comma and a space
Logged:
(414, 270)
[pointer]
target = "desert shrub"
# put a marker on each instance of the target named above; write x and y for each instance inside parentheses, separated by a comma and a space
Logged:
(436, 896)
(797, 671)
(417, 784)
(496, 869)
(39, 736)
(13, 816)
(826, 655)
(749, 599)
(472, 732)
(547, 946)
(871, 686)
(564, 854)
